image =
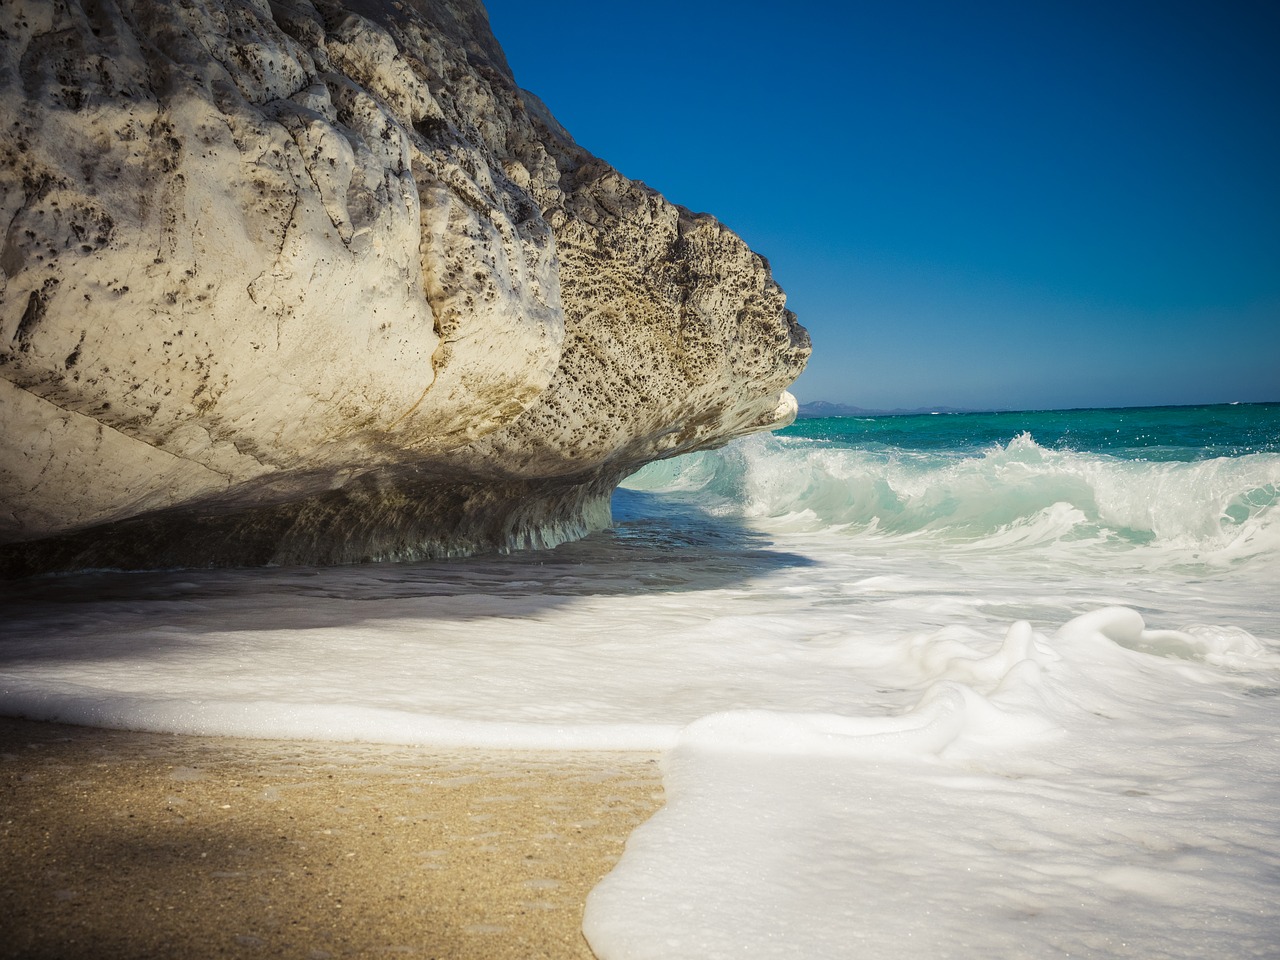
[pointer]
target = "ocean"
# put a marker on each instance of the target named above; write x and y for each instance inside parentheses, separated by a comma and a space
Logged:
(961, 685)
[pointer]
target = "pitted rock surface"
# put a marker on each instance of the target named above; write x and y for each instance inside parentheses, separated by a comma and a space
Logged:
(317, 282)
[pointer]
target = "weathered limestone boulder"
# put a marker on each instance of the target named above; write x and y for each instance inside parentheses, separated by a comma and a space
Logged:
(308, 281)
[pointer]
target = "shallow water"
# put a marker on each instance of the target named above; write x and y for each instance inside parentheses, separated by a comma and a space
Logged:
(1014, 692)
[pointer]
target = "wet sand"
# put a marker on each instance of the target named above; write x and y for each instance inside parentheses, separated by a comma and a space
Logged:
(118, 844)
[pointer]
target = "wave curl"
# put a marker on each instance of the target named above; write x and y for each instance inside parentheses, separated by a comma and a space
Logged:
(1016, 492)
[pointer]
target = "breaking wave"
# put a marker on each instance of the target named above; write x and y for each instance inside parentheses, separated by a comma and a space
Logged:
(1016, 492)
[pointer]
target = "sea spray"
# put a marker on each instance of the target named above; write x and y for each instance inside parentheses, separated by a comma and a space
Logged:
(1226, 505)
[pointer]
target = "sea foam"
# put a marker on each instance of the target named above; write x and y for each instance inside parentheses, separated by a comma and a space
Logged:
(1018, 491)
(1014, 823)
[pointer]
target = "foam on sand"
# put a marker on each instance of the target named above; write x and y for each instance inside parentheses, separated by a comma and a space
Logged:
(1009, 824)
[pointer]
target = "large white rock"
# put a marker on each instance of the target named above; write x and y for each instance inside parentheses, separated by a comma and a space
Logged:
(315, 282)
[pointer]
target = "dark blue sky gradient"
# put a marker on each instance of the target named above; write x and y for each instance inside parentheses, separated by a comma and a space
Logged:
(986, 204)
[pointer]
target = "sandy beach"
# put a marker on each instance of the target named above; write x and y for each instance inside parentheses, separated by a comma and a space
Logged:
(121, 844)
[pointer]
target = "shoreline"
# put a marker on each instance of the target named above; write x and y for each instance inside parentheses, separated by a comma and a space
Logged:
(126, 844)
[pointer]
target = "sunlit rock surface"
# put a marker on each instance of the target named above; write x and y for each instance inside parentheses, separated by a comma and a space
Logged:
(309, 282)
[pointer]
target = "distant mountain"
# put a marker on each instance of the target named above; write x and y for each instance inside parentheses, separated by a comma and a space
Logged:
(823, 408)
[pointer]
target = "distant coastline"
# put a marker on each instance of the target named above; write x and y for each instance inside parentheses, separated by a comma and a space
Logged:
(817, 409)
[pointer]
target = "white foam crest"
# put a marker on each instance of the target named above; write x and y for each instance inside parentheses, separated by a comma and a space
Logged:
(1214, 502)
(944, 656)
(1224, 646)
(1014, 495)
(973, 700)
(1083, 805)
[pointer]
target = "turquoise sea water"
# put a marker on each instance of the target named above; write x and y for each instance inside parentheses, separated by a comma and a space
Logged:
(1197, 483)
(1137, 433)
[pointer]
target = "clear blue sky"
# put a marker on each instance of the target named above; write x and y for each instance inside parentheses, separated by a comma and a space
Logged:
(1039, 204)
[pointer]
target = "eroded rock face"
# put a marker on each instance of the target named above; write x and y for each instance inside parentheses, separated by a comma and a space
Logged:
(315, 282)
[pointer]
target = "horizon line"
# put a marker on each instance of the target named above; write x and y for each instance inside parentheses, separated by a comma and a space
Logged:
(941, 409)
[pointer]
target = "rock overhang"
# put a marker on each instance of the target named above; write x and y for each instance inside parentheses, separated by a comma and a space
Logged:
(314, 282)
